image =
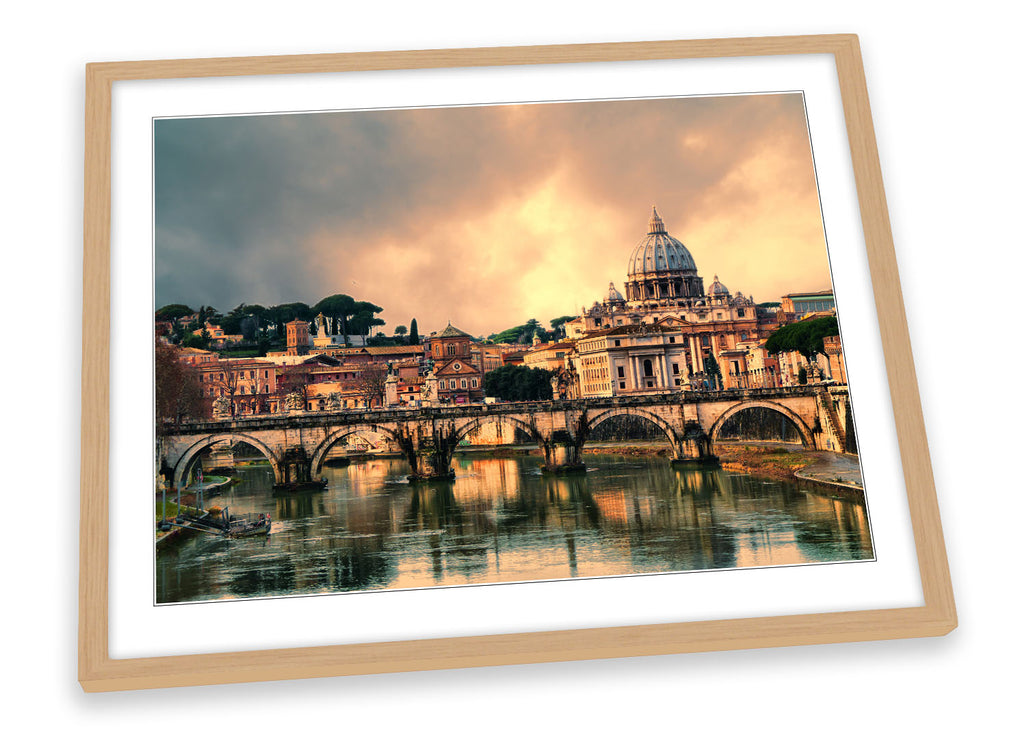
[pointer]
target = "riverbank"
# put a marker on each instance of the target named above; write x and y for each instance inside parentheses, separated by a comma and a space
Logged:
(635, 449)
(841, 473)
(188, 498)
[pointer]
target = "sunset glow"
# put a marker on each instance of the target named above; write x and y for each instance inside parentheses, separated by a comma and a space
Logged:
(485, 216)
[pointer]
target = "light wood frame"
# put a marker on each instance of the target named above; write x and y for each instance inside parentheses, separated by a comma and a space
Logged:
(98, 672)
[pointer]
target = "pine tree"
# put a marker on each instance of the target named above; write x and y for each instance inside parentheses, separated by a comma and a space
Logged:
(414, 333)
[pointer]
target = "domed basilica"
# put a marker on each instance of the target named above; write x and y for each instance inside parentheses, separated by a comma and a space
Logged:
(663, 286)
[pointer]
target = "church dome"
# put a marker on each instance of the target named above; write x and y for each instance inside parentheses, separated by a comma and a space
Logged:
(659, 252)
(613, 294)
(717, 289)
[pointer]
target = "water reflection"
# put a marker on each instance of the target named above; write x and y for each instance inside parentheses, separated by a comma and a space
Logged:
(502, 520)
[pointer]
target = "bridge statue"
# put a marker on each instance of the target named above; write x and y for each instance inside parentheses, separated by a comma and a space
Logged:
(294, 402)
(297, 442)
(428, 394)
(222, 408)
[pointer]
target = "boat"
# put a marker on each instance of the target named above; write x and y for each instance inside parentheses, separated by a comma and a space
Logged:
(248, 526)
(224, 524)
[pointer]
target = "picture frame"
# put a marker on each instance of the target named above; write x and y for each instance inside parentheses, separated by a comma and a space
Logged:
(99, 671)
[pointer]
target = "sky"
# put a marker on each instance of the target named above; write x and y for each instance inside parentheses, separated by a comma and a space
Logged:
(483, 216)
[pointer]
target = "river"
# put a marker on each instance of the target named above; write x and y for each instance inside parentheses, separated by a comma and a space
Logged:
(503, 520)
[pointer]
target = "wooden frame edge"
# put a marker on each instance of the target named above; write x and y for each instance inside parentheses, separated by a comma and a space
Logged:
(98, 672)
(515, 649)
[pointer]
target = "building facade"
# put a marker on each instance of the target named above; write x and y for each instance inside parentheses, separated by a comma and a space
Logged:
(631, 359)
(456, 365)
(800, 305)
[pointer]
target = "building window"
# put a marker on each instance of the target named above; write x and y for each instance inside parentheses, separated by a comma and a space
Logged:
(622, 372)
(672, 339)
(618, 343)
(462, 383)
(622, 385)
(475, 384)
(675, 369)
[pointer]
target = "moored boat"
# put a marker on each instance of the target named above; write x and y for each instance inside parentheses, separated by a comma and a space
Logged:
(247, 526)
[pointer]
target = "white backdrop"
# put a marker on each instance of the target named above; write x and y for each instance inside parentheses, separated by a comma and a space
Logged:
(943, 93)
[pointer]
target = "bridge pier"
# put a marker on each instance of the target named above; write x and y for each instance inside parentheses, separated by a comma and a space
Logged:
(563, 454)
(430, 456)
(693, 446)
(295, 468)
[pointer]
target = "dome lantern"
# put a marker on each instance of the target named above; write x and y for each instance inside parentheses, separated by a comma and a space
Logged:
(659, 252)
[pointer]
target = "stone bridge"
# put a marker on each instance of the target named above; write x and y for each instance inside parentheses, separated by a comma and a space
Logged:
(297, 443)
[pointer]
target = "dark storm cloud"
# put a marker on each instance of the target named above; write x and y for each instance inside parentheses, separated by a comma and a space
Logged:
(482, 215)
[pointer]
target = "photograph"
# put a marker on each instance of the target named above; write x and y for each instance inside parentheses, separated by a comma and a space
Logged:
(488, 344)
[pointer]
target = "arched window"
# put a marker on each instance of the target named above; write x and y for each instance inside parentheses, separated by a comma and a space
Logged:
(648, 367)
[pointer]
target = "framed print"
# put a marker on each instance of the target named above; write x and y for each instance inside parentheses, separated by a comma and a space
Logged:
(436, 359)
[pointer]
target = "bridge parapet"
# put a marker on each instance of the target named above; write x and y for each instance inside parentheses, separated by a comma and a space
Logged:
(418, 414)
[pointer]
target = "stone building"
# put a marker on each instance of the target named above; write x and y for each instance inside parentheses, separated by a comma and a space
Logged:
(631, 359)
(662, 282)
(549, 356)
(836, 364)
(218, 338)
(801, 305)
(249, 384)
(664, 290)
(297, 337)
(456, 365)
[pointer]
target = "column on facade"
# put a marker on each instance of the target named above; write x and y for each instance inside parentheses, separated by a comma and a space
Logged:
(666, 377)
(698, 353)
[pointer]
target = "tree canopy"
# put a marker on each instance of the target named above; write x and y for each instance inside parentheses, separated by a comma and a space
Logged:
(178, 392)
(806, 336)
(248, 321)
(558, 324)
(173, 312)
(521, 333)
(414, 333)
(347, 315)
(518, 383)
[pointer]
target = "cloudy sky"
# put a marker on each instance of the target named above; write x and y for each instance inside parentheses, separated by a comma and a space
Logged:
(485, 216)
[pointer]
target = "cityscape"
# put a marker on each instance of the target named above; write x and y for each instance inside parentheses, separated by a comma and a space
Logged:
(672, 424)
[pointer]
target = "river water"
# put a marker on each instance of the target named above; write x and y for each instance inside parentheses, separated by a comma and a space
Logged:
(502, 520)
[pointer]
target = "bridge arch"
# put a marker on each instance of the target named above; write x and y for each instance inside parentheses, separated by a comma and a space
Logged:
(461, 431)
(184, 465)
(317, 462)
(653, 418)
(806, 434)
